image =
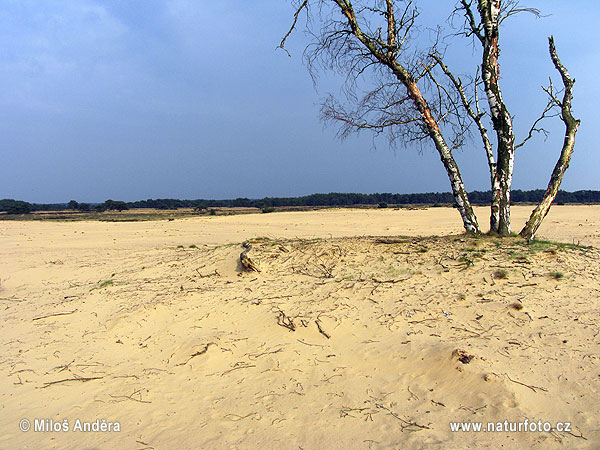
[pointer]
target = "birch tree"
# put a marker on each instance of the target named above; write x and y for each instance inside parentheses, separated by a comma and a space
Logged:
(378, 37)
(410, 102)
(485, 28)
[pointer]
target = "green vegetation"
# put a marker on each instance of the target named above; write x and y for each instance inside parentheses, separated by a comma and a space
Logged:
(536, 245)
(15, 206)
(103, 284)
(315, 200)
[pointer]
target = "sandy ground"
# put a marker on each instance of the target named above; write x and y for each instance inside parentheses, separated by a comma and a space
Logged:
(340, 341)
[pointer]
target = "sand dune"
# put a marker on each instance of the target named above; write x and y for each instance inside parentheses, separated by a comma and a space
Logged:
(340, 341)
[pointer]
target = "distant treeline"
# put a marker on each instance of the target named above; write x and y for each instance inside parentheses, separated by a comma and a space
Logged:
(331, 199)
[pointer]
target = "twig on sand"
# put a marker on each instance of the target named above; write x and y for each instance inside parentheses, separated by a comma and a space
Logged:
(285, 321)
(321, 330)
(238, 365)
(212, 274)
(131, 397)
(475, 333)
(236, 417)
(198, 353)
(258, 355)
(308, 343)
(409, 425)
(84, 379)
(62, 313)
(149, 447)
(533, 388)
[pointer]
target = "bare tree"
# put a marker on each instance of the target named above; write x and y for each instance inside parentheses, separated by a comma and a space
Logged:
(378, 39)
(486, 30)
(571, 126)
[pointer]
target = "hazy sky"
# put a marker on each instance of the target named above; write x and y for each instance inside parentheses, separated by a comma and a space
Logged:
(189, 99)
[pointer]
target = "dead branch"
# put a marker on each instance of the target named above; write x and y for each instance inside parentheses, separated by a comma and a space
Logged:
(83, 379)
(131, 397)
(212, 274)
(285, 321)
(63, 313)
(246, 262)
(321, 329)
(552, 102)
(309, 344)
(571, 127)
(303, 5)
(533, 388)
(254, 356)
(198, 353)
(237, 366)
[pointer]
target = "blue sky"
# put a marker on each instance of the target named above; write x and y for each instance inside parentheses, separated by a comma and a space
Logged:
(189, 99)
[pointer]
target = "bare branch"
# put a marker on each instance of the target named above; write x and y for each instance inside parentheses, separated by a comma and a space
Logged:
(296, 14)
(352, 42)
(512, 7)
(552, 103)
(472, 28)
(475, 116)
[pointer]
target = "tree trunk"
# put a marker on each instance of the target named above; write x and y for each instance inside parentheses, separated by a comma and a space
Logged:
(571, 124)
(495, 204)
(458, 188)
(476, 115)
(489, 11)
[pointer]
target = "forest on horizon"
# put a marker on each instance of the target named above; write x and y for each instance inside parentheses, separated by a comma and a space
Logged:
(10, 206)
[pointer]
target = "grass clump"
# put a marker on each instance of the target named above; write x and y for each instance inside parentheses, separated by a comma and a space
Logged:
(103, 284)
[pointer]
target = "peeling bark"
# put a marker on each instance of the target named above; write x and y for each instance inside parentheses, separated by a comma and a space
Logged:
(489, 11)
(571, 127)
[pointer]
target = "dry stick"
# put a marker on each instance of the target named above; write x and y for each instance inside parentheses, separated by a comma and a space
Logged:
(580, 435)
(21, 371)
(241, 366)
(64, 366)
(215, 274)
(198, 353)
(312, 345)
(83, 379)
(533, 388)
(285, 321)
(321, 330)
(64, 313)
(406, 423)
(258, 355)
(375, 280)
(130, 397)
(476, 334)
(412, 394)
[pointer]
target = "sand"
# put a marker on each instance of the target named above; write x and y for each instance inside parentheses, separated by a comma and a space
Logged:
(340, 341)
